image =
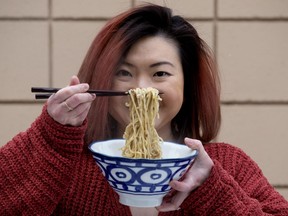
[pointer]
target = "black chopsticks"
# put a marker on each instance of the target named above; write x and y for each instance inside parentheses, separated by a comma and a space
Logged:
(49, 91)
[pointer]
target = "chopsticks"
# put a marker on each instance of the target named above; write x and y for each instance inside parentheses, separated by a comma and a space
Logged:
(50, 91)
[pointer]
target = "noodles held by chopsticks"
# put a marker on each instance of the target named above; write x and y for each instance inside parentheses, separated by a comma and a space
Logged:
(142, 140)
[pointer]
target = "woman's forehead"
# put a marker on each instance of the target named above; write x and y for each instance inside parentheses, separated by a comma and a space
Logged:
(155, 50)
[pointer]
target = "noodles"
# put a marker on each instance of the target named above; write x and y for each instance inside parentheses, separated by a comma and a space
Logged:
(142, 140)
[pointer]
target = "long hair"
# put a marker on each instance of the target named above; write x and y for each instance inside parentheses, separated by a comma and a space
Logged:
(199, 116)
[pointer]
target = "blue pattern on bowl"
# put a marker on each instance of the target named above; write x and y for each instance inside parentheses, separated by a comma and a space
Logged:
(140, 182)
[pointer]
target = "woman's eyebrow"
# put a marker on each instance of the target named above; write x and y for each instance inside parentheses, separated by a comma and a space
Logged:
(161, 63)
(152, 65)
(127, 64)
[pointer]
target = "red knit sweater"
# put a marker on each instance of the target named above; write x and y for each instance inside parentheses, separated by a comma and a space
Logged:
(48, 170)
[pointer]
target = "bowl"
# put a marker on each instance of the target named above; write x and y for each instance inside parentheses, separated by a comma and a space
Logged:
(141, 182)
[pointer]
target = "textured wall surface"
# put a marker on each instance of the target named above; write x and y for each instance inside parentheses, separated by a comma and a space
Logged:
(43, 42)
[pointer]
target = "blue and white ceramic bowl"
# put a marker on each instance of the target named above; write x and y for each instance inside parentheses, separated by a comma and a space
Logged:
(141, 182)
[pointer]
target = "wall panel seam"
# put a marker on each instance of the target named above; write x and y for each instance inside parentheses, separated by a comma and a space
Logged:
(50, 44)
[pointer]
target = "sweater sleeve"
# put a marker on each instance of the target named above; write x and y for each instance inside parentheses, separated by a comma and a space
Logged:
(37, 165)
(236, 186)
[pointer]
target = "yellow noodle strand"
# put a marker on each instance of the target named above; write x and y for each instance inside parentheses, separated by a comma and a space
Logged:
(142, 140)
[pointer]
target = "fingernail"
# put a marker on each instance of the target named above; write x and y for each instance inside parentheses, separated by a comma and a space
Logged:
(85, 86)
(188, 140)
(172, 184)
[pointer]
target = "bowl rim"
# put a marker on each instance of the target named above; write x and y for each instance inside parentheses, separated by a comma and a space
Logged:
(193, 154)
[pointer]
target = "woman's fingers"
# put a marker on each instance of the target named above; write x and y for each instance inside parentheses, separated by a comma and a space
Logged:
(186, 184)
(76, 99)
(80, 115)
(74, 80)
(196, 174)
(70, 105)
(173, 203)
(193, 143)
(201, 168)
(73, 110)
(66, 92)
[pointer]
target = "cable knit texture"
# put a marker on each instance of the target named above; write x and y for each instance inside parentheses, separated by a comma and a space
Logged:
(48, 170)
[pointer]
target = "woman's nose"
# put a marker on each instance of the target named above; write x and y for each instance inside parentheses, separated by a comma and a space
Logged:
(144, 82)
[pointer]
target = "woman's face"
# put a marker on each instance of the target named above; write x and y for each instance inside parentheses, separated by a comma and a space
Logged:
(151, 62)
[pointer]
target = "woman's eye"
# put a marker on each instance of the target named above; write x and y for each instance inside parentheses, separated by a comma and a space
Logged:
(161, 74)
(123, 73)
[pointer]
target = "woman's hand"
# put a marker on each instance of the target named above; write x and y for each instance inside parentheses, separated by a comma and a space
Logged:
(193, 178)
(70, 105)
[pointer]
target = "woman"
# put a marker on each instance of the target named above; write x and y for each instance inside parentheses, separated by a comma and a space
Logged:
(48, 170)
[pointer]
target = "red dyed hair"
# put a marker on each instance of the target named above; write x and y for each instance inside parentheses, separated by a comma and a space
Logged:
(199, 116)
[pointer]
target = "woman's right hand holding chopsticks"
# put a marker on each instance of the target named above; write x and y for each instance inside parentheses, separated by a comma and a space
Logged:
(70, 105)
